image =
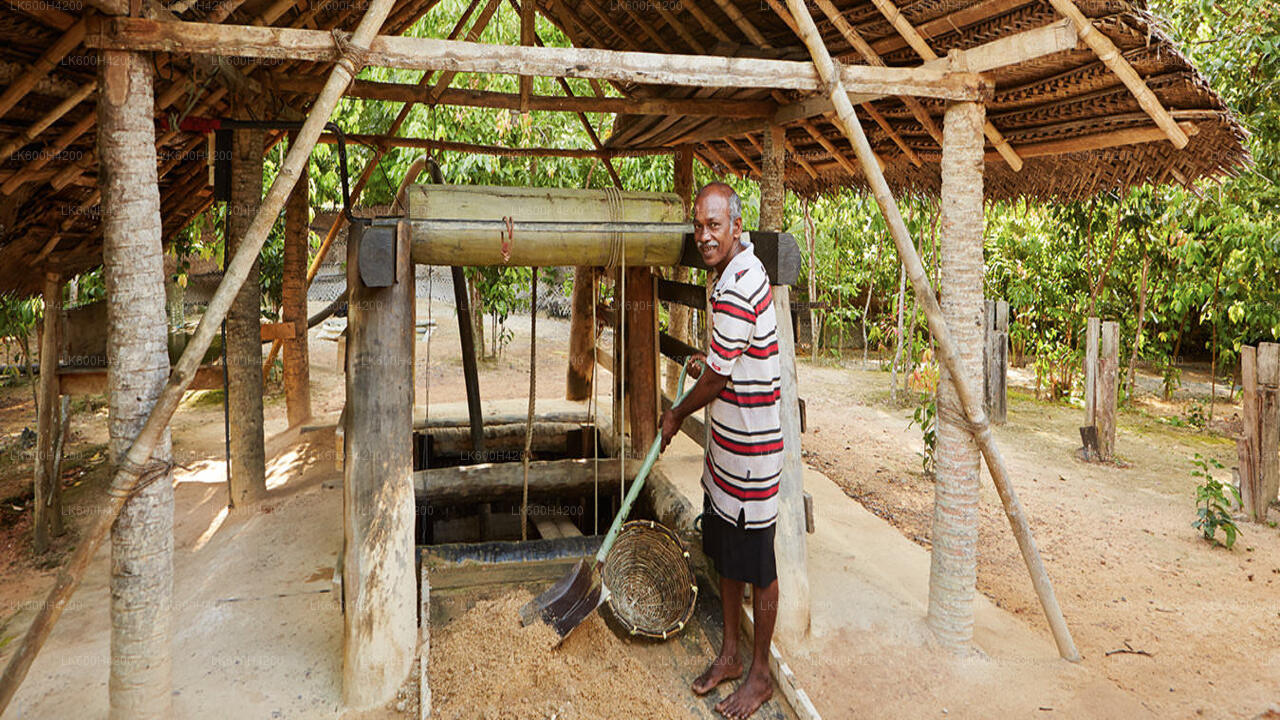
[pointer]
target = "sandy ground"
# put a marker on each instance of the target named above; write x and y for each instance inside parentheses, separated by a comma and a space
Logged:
(257, 630)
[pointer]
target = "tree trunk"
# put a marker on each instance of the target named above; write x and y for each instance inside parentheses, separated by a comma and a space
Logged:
(810, 242)
(48, 416)
(897, 354)
(138, 366)
(293, 282)
(953, 569)
(582, 336)
(248, 482)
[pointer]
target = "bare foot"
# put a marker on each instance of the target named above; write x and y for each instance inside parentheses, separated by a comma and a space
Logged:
(748, 698)
(721, 670)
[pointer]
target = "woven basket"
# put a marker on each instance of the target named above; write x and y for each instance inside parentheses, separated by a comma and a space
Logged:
(652, 590)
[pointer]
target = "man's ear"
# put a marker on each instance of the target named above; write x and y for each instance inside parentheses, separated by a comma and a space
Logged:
(737, 228)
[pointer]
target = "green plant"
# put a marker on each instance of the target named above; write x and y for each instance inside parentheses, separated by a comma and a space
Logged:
(925, 417)
(1213, 503)
(1196, 414)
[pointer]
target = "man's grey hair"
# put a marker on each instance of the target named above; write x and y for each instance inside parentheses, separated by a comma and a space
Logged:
(735, 202)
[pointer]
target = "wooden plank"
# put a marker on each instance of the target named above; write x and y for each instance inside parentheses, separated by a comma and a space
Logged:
(1268, 423)
(378, 505)
(1093, 331)
(94, 382)
(604, 359)
(1108, 376)
(675, 350)
(641, 311)
(1250, 491)
(459, 56)
(278, 331)
(502, 442)
(686, 294)
(488, 482)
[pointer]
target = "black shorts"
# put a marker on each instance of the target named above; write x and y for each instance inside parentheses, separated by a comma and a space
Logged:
(738, 553)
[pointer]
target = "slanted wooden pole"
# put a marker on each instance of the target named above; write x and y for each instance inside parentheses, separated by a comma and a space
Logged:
(153, 434)
(297, 361)
(954, 559)
(48, 504)
(582, 337)
(1108, 371)
(970, 403)
(790, 542)
(247, 482)
(142, 541)
(381, 616)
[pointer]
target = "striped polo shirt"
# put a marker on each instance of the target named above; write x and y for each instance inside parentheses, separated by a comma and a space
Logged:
(744, 458)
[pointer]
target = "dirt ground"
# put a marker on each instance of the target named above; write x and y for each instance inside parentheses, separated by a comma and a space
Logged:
(1199, 625)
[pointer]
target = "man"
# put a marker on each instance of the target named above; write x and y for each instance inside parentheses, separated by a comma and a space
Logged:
(744, 457)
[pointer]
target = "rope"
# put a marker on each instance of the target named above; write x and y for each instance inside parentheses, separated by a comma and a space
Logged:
(954, 415)
(593, 407)
(354, 57)
(146, 474)
(613, 198)
(533, 389)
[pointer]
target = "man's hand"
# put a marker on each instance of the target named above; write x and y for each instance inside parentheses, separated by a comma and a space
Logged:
(670, 426)
(695, 364)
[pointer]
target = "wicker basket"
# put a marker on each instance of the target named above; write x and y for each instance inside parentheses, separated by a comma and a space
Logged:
(652, 590)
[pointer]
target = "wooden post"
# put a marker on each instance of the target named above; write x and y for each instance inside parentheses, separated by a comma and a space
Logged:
(1268, 425)
(247, 483)
(48, 504)
(378, 557)
(995, 360)
(1108, 376)
(1248, 442)
(140, 683)
(790, 543)
(953, 571)
(582, 337)
(297, 363)
(640, 310)
(1092, 331)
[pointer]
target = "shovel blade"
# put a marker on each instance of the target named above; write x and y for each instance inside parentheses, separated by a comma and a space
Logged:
(562, 597)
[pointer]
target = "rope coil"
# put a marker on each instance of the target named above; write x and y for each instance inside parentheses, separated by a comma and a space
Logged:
(350, 55)
(613, 198)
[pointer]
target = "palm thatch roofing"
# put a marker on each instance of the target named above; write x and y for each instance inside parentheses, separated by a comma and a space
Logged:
(1063, 113)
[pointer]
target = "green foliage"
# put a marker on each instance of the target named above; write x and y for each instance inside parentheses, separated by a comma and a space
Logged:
(925, 417)
(1213, 503)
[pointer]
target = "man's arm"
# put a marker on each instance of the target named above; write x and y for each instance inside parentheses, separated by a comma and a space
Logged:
(709, 385)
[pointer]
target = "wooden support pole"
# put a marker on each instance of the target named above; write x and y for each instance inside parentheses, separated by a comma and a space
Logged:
(528, 14)
(680, 315)
(378, 561)
(247, 483)
(970, 404)
(1111, 56)
(954, 559)
(1093, 333)
(1107, 384)
(640, 311)
(790, 542)
(140, 683)
(582, 335)
(153, 434)
(297, 361)
(47, 501)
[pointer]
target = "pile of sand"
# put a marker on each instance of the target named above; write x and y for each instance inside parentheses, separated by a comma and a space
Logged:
(485, 665)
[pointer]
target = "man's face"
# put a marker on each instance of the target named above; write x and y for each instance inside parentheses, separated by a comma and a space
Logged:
(713, 231)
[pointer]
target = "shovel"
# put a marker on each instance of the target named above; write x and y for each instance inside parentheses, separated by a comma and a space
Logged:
(573, 597)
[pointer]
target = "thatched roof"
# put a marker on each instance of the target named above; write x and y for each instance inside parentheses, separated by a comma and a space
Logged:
(48, 185)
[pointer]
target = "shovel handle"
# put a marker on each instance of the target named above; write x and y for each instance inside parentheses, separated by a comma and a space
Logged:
(634, 491)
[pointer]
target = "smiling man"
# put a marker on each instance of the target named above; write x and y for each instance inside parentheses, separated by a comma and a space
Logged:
(744, 458)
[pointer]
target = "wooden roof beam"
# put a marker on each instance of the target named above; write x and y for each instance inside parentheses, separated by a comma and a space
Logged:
(451, 146)
(39, 126)
(1096, 141)
(400, 92)
(918, 43)
(737, 18)
(455, 56)
(737, 150)
(1110, 55)
(445, 78)
(705, 21)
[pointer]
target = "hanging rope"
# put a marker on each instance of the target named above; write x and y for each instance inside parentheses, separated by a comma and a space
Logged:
(533, 395)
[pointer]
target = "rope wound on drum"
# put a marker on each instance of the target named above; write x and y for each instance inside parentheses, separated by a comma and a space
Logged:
(613, 197)
(508, 237)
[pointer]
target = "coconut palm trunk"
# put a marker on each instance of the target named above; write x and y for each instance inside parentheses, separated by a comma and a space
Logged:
(138, 366)
(953, 571)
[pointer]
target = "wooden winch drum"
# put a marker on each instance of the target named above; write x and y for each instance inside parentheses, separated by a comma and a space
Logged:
(652, 590)
(477, 225)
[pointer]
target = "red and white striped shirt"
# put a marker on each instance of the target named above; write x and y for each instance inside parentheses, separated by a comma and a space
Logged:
(744, 457)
